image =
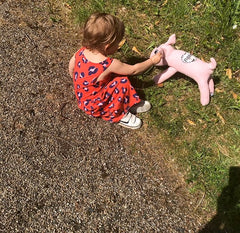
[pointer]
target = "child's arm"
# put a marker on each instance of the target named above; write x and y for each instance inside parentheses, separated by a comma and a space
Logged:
(71, 65)
(121, 68)
(125, 69)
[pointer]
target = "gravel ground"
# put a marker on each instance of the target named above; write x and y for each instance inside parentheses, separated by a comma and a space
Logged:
(62, 171)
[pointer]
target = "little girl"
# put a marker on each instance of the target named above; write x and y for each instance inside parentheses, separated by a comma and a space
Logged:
(101, 86)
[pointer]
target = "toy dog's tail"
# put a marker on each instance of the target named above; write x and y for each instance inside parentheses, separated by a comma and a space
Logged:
(212, 64)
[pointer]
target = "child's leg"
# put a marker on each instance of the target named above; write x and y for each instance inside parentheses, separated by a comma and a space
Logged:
(119, 97)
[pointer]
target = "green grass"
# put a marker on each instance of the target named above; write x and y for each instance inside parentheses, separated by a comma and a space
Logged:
(204, 140)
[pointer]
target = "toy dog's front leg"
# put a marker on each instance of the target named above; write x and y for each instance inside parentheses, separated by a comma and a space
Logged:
(204, 92)
(166, 74)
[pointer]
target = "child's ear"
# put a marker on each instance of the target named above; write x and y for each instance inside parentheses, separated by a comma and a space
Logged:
(106, 47)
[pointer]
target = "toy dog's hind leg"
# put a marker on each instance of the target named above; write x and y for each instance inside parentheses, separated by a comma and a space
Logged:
(211, 86)
(166, 74)
(204, 92)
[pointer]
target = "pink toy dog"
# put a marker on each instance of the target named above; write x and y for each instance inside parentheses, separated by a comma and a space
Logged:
(181, 61)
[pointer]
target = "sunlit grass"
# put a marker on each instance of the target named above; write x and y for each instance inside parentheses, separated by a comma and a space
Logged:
(204, 140)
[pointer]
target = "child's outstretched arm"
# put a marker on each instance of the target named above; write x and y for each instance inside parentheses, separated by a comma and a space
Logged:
(71, 65)
(121, 68)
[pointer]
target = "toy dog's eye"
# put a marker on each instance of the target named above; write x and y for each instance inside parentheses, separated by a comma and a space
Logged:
(156, 51)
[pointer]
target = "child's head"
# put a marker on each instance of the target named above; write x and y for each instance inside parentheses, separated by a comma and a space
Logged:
(103, 32)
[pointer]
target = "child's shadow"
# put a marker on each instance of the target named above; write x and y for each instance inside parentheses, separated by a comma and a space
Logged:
(227, 218)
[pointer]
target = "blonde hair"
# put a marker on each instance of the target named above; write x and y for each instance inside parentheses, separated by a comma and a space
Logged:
(102, 29)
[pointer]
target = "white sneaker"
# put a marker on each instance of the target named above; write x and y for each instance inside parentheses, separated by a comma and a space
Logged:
(142, 106)
(130, 121)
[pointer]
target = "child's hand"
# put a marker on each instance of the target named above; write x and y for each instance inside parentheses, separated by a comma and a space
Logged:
(157, 57)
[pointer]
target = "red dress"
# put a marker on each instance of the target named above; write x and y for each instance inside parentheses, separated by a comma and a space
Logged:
(109, 99)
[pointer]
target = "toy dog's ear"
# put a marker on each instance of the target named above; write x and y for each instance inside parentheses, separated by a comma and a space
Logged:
(171, 40)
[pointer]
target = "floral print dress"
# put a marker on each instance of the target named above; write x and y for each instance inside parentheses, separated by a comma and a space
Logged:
(109, 99)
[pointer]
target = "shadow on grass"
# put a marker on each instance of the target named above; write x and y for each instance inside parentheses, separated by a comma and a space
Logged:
(227, 219)
(138, 83)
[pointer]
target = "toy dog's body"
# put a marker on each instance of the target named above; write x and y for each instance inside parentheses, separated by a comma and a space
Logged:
(181, 61)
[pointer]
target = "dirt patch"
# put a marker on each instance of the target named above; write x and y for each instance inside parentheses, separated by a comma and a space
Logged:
(62, 171)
